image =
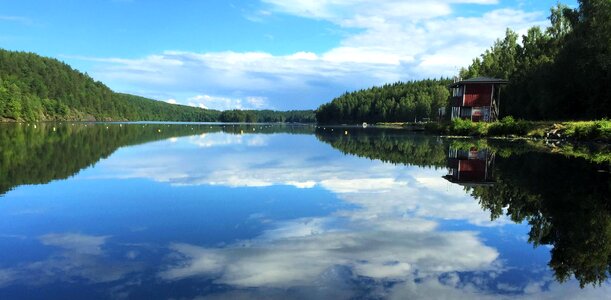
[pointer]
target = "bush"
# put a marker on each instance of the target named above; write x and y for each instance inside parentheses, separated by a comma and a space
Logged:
(589, 130)
(507, 126)
(467, 127)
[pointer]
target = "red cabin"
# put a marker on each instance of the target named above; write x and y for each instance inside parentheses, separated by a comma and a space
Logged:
(476, 99)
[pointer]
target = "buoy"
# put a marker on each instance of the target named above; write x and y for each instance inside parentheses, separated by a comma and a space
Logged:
(53, 128)
(158, 130)
(346, 132)
(241, 131)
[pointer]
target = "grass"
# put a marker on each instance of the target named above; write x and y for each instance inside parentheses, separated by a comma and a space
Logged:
(599, 130)
(588, 130)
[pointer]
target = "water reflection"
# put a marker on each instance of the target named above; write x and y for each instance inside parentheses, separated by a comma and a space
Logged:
(565, 201)
(234, 212)
(470, 167)
(39, 153)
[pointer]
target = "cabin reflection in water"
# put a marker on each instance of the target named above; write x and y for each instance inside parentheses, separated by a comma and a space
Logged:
(471, 167)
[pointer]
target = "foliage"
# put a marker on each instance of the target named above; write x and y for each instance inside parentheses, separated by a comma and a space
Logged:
(576, 130)
(589, 130)
(562, 72)
(398, 102)
(268, 116)
(508, 126)
(35, 88)
(467, 127)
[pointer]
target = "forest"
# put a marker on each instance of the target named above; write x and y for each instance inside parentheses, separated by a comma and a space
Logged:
(562, 72)
(397, 102)
(36, 88)
(268, 116)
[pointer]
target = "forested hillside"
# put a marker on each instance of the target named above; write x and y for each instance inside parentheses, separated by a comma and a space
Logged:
(560, 72)
(397, 102)
(35, 88)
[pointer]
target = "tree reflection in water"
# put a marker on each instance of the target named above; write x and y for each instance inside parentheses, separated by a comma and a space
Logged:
(566, 201)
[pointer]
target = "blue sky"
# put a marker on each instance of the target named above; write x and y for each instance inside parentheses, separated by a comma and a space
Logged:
(280, 54)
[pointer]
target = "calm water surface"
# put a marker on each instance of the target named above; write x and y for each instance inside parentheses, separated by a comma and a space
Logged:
(183, 211)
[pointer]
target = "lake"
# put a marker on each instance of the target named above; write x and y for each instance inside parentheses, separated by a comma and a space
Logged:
(217, 211)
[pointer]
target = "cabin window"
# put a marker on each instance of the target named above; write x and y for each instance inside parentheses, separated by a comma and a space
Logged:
(457, 91)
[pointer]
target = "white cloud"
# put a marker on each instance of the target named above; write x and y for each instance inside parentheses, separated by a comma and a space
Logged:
(303, 257)
(224, 103)
(394, 40)
(78, 243)
(73, 256)
(222, 139)
(171, 101)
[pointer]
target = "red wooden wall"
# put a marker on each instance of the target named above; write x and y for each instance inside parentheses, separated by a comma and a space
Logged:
(478, 95)
(472, 170)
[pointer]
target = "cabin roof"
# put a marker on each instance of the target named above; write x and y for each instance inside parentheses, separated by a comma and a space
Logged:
(479, 80)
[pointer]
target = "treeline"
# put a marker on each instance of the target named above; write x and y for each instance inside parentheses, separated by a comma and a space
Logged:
(268, 116)
(560, 72)
(397, 102)
(36, 88)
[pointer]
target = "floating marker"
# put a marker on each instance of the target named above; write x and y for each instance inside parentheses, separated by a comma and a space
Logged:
(346, 132)
(158, 130)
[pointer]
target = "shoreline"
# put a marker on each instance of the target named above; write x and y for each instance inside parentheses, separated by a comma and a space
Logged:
(598, 131)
